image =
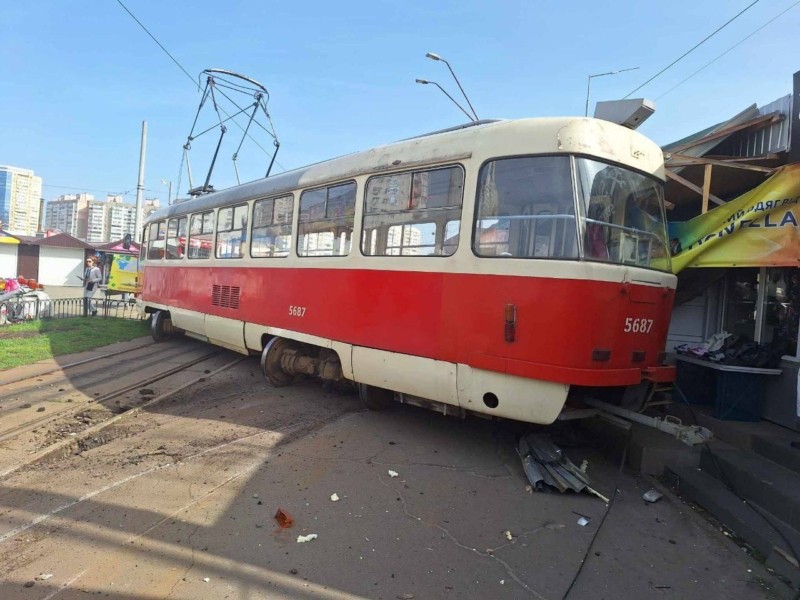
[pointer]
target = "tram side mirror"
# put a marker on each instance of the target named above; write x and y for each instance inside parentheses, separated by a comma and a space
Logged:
(628, 113)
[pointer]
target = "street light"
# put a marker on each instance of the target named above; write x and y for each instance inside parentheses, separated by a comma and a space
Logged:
(169, 191)
(453, 100)
(436, 57)
(589, 83)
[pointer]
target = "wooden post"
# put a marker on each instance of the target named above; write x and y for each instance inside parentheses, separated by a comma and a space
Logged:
(706, 187)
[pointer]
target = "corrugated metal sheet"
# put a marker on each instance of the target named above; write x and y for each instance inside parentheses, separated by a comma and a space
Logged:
(768, 140)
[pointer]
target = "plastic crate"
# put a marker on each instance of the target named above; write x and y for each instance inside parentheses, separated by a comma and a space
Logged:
(698, 383)
(738, 396)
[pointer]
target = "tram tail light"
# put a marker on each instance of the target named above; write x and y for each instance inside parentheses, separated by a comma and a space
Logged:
(511, 322)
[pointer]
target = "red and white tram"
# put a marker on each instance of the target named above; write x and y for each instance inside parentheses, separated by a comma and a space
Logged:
(498, 268)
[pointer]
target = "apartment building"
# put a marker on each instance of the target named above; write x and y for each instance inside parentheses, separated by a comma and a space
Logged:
(92, 220)
(20, 193)
(68, 214)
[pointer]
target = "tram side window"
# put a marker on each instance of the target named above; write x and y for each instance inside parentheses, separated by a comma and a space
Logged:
(231, 232)
(176, 238)
(201, 235)
(413, 214)
(156, 238)
(272, 227)
(326, 221)
(526, 209)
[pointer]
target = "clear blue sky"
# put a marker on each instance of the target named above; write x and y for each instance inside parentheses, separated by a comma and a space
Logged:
(78, 78)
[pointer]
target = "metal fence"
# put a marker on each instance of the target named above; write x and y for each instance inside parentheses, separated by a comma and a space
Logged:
(24, 308)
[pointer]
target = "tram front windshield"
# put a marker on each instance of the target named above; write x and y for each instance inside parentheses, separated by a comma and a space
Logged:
(527, 209)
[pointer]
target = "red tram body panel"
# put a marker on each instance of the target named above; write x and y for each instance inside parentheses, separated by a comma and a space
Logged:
(456, 318)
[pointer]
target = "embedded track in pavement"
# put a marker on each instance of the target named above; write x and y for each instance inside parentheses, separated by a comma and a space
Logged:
(53, 411)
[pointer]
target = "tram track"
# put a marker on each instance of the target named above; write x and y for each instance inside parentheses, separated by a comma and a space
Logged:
(32, 437)
(33, 424)
(43, 381)
(5, 382)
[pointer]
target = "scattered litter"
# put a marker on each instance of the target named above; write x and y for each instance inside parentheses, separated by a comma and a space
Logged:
(43, 576)
(393, 473)
(545, 465)
(583, 521)
(508, 535)
(406, 596)
(302, 539)
(284, 519)
(502, 582)
(206, 579)
(334, 497)
(255, 496)
(598, 494)
(652, 496)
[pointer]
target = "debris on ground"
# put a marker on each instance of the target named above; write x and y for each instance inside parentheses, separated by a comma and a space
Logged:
(43, 576)
(508, 535)
(334, 497)
(284, 519)
(545, 465)
(206, 579)
(393, 473)
(652, 496)
(583, 521)
(302, 539)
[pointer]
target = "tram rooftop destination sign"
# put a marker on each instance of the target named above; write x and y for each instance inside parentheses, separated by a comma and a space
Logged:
(757, 229)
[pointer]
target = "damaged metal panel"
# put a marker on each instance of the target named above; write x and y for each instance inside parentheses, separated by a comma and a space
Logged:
(544, 464)
(768, 140)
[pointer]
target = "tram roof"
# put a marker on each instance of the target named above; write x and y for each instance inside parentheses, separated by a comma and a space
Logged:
(540, 135)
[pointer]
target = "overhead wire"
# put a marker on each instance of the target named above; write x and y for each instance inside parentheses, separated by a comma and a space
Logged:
(175, 60)
(693, 48)
(740, 42)
(79, 189)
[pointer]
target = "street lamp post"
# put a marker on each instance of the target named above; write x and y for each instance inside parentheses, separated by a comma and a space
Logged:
(589, 84)
(169, 191)
(453, 100)
(436, 57)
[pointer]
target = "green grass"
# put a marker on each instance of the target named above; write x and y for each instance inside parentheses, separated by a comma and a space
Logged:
(27, 343)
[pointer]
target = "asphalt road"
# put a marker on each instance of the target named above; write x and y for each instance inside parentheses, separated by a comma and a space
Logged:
(178, 501)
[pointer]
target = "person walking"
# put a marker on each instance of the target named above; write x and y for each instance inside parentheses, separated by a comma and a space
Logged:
(91, 281)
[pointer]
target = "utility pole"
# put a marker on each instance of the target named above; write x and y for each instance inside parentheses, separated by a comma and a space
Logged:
(137, 234)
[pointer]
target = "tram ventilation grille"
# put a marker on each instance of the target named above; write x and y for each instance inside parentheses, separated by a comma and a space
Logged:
(225, 296)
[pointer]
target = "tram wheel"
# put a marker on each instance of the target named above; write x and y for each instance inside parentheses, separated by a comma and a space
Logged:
(271, 362)
(375, 398)
(160, 326)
